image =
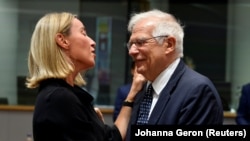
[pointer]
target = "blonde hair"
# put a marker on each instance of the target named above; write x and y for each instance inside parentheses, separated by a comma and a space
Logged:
(46, 59)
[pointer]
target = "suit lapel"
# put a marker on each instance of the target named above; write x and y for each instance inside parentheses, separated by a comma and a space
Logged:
(166, 93)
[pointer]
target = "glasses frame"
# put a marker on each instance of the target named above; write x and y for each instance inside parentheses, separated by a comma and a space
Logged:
(140, 42)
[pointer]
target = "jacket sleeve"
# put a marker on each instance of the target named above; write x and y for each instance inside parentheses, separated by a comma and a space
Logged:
(112, 133)
(243, 114)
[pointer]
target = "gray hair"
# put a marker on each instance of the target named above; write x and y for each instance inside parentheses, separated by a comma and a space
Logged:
(166, 24)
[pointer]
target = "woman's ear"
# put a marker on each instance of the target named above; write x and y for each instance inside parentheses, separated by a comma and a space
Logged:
(61, 41)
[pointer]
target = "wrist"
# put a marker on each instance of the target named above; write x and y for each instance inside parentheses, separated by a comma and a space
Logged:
(128, 103)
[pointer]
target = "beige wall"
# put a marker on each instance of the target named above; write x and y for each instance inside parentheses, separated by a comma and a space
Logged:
(15, 125)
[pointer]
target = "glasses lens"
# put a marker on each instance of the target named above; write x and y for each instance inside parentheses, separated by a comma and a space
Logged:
(141, 42)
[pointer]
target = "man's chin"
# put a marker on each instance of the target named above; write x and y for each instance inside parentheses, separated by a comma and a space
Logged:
(141, 70)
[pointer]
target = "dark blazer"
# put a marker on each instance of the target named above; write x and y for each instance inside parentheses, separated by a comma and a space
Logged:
(66, 113)
(189, 98)
(243, 111)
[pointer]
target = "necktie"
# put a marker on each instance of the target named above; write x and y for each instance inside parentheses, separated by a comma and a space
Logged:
(145, 106)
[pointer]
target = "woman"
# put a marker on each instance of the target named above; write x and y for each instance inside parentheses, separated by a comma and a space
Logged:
(60, 51)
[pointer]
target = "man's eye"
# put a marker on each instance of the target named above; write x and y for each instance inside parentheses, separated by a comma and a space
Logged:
(140, 42)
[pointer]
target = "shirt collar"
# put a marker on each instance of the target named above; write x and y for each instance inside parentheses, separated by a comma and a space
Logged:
(161, 80)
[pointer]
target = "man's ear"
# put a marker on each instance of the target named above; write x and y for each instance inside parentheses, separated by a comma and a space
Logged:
(61, 41)
(170, 43)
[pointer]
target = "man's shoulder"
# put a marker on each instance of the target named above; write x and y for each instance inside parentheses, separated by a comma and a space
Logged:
(247, 87)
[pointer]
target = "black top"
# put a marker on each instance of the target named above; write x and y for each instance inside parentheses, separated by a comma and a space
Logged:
(66, 113)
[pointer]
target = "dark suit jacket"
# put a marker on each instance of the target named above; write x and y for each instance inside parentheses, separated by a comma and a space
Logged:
(189, 98)
(243, 112)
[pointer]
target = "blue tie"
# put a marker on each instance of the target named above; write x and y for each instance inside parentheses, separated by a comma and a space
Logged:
(145, 106)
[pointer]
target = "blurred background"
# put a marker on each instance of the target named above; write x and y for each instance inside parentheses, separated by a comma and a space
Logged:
(216, 43)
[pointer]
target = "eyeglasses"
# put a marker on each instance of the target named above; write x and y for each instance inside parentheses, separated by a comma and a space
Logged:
(141, 42)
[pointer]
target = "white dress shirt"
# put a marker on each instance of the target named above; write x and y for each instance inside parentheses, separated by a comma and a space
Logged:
(161, 81)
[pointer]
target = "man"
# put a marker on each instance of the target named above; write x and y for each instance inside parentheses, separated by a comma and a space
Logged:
(181, 96)
(122, 93)
(243, 111)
